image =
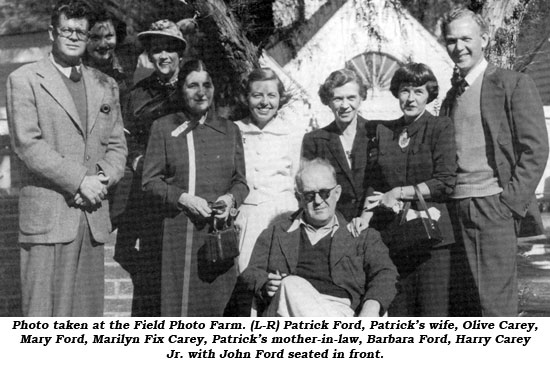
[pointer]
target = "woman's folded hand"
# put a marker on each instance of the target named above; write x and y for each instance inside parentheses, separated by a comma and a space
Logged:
(196, 205)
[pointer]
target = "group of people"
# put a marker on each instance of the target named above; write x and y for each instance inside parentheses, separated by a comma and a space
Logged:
(313, 213)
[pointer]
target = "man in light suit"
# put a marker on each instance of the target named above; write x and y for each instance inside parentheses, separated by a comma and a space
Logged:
(502, 148)
(67, 131)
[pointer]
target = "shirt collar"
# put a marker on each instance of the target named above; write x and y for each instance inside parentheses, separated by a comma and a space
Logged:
(412, 127)
(187, 126)
(351, 128)
(65, 70)
(333, 225)
(476, 71)
(275, 127)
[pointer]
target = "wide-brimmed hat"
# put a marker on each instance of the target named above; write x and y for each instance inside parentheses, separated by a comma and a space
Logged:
(162, 28)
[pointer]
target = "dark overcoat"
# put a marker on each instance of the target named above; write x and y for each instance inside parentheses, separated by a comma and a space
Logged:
(191, 286)
(325, 143)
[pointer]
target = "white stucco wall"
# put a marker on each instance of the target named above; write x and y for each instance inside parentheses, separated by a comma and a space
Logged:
(346, 35)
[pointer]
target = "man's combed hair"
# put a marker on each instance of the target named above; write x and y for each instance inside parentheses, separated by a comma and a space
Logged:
(73, 9)
(462, 12)
(307, 164)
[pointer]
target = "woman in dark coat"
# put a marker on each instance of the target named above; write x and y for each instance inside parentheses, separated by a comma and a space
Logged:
(194, 158)
(416, 149)
(136, 216)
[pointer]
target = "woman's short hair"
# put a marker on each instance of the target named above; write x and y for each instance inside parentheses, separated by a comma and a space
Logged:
(337, 79)
(415, 74)
(265, 74)
(104, 15)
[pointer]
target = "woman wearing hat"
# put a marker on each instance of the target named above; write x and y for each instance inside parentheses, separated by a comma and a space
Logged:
(155, 95)
(150, 99)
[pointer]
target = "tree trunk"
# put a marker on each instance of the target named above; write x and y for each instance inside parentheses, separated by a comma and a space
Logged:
(225, 49)
(504, 18)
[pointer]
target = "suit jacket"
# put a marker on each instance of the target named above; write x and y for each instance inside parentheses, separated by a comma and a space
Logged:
(56, 153)
(517, 140)
(325, 143)
(361, 265)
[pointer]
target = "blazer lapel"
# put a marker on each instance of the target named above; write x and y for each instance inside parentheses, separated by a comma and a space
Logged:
(53, 83)
(340, 242)
(290, 245)
(94, 96)
(491, 101)
(336, 149)
(359, 154)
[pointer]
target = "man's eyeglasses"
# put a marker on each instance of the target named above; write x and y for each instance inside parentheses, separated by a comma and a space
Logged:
(67, 32)
(309, 196)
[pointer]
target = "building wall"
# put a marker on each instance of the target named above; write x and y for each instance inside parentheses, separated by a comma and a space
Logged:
(357, 27)
(118, 285)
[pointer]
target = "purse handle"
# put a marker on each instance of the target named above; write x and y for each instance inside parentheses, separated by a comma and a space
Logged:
(226, 224)
(423, 206)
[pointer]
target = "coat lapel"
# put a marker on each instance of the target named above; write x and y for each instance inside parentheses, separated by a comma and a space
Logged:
(492, 100)
(53, 83)
(289, 242)
(336, 149)
(94, 95)
(341, 242)
(359, 154)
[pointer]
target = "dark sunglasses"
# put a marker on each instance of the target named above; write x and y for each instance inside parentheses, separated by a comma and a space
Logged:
(309, 196)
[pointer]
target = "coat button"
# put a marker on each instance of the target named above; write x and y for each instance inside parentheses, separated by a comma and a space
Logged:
(87, 157)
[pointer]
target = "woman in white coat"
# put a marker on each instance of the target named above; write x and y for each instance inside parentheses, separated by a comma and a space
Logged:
(272, 156)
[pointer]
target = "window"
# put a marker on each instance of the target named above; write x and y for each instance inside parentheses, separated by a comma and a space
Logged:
(375, 68)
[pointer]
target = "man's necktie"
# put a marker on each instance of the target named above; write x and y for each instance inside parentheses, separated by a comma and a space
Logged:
(459, 83)
(75, 74)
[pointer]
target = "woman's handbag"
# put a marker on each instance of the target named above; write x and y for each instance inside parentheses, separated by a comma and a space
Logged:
(420, 233)
(222, 244)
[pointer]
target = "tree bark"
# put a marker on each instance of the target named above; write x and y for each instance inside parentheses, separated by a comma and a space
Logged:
(504, 18)
(225, 49)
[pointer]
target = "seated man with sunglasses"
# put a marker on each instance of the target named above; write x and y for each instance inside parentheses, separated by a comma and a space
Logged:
(311, 265)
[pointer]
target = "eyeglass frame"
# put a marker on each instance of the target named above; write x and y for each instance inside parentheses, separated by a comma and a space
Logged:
(315, 193)
(67, 32)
